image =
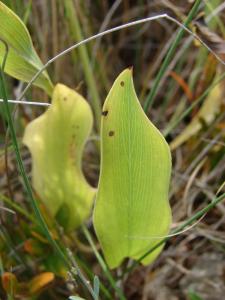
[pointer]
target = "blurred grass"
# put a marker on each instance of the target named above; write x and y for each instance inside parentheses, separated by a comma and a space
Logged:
(198, 165)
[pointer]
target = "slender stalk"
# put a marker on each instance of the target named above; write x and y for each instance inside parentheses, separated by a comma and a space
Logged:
(111, 30)
(55, 37)
(77, 272)
(196, 216)
(103, 264)
(18, 208)
(27, 12)
(27, 102)
(103, 289)
(151, 96)
(1, 267)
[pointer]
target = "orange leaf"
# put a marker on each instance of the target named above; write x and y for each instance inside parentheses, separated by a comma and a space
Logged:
(40, 281)
(9, 282)
(33, 247)
(182, 84)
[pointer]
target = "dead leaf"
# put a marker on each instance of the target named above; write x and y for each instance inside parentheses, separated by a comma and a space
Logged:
(206, 114)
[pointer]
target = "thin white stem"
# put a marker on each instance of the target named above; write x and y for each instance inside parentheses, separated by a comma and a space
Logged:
(169, 235)
(7, 210)
(27, 102)
(117, 28)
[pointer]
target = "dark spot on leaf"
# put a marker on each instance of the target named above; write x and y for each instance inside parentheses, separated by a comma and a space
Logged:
(64, 98)
(122, 83)
(105, 113)
(111, 133)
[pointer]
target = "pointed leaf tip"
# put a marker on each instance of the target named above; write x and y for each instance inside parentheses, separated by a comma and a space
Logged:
(132, 207)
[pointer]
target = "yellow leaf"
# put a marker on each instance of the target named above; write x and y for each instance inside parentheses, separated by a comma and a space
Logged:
(56, 140)
(40, 281)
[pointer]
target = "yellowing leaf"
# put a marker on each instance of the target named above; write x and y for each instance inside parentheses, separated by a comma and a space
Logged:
(132, 210)
(56, 141)
(207, 113)
(40, 281)
(22, 61)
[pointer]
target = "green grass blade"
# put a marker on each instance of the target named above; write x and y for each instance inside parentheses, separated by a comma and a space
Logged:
(22, 169)
(103, 264)
(155, 87)
(76, 33)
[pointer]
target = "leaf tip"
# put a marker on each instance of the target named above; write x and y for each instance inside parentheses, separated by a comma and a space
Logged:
(131, 68)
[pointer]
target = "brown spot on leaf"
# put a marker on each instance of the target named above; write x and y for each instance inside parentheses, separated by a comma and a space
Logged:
(122, 83)
(111, 133)
(105, 113)
(64, 98)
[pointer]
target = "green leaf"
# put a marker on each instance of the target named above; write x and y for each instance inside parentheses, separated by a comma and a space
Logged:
(56, 141)
(193, 296)
(22, 61)
(132, 210)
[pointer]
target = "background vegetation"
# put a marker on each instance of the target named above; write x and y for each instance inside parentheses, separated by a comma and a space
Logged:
(188, 108)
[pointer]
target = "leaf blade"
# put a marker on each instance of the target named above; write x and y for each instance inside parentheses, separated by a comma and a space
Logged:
(56, 140)
(132, 175)
(21, 51)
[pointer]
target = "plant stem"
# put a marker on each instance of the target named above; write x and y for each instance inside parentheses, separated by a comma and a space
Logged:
(196, 216)
(77, 272)
(18, 208)
(103, 264)
(151, 96)
(84, 266)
